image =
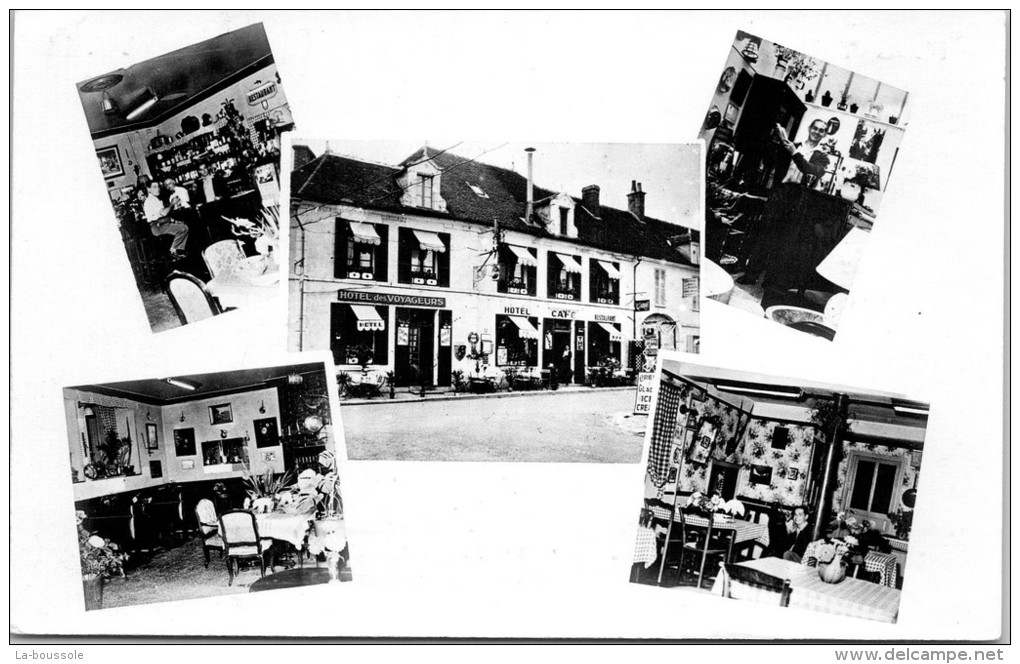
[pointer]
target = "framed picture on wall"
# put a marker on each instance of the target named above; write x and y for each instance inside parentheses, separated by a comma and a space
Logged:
(109, 162)
(780, 438)
(266, 432)
(671, 478)
(184, 442)
(221, 414)
(792, 474)
(155, 469)
(187, 464)
(151, 436)
(760, 475)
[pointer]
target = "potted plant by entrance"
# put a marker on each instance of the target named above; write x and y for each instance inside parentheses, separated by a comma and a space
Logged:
(328, 536)
(100, 560)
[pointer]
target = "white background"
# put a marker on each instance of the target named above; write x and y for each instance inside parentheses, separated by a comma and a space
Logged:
(525, 550)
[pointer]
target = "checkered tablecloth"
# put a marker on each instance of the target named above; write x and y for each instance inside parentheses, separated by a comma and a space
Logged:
(645, 550)
(745, 531)
(886, 564)
(286, 527)
(850, 597)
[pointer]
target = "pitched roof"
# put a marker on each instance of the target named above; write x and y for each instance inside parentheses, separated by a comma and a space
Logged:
(302, 155)
(332, 179)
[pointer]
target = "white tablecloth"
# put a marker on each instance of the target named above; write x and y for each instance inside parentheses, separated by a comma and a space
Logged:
(645, 547)
(286, 527)
(250, 281)
(850, 597)
(745, 531)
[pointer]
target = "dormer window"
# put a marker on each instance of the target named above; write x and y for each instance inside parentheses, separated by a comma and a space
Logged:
(478, 191)
(564, 221)
(557, 214)
(425, 183)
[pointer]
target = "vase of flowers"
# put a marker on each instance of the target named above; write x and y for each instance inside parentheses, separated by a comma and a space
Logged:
(100, 559)
(832, 557)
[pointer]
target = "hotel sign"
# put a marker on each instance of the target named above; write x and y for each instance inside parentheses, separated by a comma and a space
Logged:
(642, 305)
(371, 297)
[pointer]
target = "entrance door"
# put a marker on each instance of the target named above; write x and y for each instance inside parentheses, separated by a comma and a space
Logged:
(415, 354)
(723, 480)
(559, 355)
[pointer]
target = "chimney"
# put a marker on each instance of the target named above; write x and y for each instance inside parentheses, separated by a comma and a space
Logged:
(590, 199)
(636, 200)
(530, 207)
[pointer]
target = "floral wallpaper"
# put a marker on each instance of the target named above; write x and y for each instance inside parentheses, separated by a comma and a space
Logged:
(790, 466)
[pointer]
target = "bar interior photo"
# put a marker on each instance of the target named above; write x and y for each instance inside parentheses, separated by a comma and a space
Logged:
(201, 485)
(786, 492)
(189, 147)
(799, 155)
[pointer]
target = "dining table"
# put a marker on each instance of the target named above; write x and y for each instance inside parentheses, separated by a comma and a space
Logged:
(886, 565)
(743, 531)
(850, 597)
(645, 547)
(285, 526)
(248, 281)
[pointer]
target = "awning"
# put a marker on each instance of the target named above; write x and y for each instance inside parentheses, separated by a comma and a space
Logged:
(569, 264)
(364, 233)
(614, 334)
(429, 241)
(610, 270)
(525, 328)
(524, 256)
(368, 317)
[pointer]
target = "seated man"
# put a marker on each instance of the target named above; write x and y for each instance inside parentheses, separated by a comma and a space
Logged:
(800, 535)
(160, 222)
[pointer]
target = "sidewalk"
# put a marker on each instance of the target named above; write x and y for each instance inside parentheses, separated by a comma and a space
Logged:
(402, 395)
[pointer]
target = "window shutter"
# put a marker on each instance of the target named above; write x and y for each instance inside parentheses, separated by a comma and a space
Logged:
(404, 256)
(443, 260)
(342, 235)
(382, 253)
(337, 341)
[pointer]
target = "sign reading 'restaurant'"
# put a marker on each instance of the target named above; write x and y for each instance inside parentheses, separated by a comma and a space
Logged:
(390, 298)
(643, 399)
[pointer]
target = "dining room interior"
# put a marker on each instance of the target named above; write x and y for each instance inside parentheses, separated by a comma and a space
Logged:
(791, 493)
(201, 485)
(197, 131)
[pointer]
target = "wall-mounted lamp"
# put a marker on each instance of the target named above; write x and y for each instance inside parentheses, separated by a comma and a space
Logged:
(182, 416)
(109, 105)
(262, 408)
(223, 433)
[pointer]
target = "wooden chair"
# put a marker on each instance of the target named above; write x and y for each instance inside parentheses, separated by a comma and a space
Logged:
(704, 542)
(190, 299)
(240, 533)
(208, 528)
(754, 579)
(222, 256)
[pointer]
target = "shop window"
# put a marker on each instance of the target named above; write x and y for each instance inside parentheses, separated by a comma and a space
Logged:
(604, 345)
(361, 250)
(518, 269)
(359, 334)
(564, 277)
(604, 283)
(516, 341)
(872, 483)
(424, 259)
(660, 287)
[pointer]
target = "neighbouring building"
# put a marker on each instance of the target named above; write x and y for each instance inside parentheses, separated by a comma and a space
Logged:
(441, 263)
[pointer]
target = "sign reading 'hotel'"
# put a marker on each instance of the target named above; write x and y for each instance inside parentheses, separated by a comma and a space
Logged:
(390, 298)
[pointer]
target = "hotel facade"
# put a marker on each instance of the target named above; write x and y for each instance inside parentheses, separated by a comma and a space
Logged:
(443, 264)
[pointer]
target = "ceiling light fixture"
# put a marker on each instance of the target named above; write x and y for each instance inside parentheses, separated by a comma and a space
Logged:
(183, 384)
(910, 410)
(109, 105)
(146, 101)
(768, 391)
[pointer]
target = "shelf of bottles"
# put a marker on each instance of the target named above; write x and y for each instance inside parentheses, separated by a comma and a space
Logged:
(184, 161)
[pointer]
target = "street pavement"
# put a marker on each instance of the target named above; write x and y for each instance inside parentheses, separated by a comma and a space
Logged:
(591, 426)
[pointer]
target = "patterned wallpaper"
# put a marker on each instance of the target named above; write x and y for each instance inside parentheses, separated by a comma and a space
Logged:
(768, 474)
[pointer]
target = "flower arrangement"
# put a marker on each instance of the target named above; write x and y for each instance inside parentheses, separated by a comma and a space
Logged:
(902, 520)
(836, 547)
(99, 556)
(698, 502)
(262, 489)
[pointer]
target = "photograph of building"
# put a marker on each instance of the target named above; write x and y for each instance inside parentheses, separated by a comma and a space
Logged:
(444, 273)
(786, 492)
(799, 155)
(189, 147)
(176, 478)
